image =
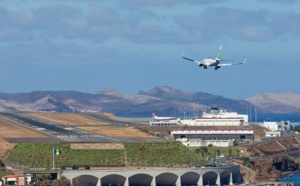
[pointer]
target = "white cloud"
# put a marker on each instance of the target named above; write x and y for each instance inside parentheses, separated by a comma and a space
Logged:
(239, 24)
(62, 32)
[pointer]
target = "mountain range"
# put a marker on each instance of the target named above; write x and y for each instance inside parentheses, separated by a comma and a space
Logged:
(162, 100)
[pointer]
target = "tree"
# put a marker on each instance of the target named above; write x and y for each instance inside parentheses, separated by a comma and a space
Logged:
(235, 143)
(42, 179)
(204, 149)
(203, 142)
(76, 181)
(198, 150)
(230, 152)
(61, 182)
(218, 152)
(238, 152)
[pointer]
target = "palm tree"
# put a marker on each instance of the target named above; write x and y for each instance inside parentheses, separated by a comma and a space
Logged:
(218, 152)
(238, 152)
(230, 152)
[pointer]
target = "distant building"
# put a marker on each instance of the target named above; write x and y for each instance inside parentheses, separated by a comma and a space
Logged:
(215, 112)
(199, 142)
(15, 179)
(273, 134)
(285, 125)
(273, 126)
(164, 123)
(216, 137)
(217, 117)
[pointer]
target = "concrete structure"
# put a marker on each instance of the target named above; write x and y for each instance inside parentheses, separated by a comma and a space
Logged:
(219, 137)
(164, 123)
(212, 122)
(200, 143)
(215, 112)
(285, 125)
(15, 179)
(273, 134)
(273, 126)
(217, 117)
(156, 177)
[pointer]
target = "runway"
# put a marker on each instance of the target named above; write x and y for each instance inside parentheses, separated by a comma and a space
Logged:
(56, 132)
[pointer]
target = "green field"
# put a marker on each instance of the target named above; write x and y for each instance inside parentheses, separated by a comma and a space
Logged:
(172, 154)
(40, 155)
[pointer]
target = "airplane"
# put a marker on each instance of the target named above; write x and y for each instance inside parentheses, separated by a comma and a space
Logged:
(212, 62)
(161, 118)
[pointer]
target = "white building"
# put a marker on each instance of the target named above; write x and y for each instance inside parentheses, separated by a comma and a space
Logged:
(273, 126)
(215, 112)
(200, 143)
(212, 122)
(217, 117)
(220, 138)
(273, 134)
(164, 123)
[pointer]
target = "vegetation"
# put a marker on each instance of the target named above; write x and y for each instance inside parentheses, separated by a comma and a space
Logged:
(40, 155)
(172, 154)
(235, 143)
(61, 182)
(3, 174)
(42, 179)
(210, 151)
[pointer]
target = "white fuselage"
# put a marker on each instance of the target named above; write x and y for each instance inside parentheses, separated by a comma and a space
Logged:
(163, 118)
(209, 62)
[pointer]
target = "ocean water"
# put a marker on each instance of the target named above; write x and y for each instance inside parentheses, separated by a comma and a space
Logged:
(276, 117)
(295, 178)
(258, 117)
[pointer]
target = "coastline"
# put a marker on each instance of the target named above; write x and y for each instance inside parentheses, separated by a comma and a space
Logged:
(295, 178)
(289, 174)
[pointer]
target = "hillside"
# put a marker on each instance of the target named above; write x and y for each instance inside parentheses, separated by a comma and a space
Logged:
(162, 100)
(286, 102)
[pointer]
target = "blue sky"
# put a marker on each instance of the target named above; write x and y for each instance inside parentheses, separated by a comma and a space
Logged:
(134, 45)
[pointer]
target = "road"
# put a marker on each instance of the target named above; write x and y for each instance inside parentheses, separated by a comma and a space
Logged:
(250, 174)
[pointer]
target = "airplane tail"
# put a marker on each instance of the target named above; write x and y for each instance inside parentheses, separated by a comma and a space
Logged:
(219, 53)
(154, 115)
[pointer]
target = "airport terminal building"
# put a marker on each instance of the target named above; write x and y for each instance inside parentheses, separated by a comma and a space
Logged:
(217, 117)
(216, 137)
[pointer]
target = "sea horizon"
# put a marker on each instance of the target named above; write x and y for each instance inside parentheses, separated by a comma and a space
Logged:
(292, 117)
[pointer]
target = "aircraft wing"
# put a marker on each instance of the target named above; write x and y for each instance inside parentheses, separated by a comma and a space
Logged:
(229, 64)
(198, 62)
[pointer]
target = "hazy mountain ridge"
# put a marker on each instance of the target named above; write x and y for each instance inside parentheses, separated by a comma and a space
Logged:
(286, 102)
(162, 100)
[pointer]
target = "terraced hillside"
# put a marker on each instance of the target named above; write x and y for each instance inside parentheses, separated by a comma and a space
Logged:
(40, 155)
(291, 143)
(172, 154)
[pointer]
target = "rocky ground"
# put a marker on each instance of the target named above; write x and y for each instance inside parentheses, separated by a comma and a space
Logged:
(271, 168)
(5, 148)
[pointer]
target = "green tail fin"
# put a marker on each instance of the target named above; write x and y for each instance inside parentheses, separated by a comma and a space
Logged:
(219, 53)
